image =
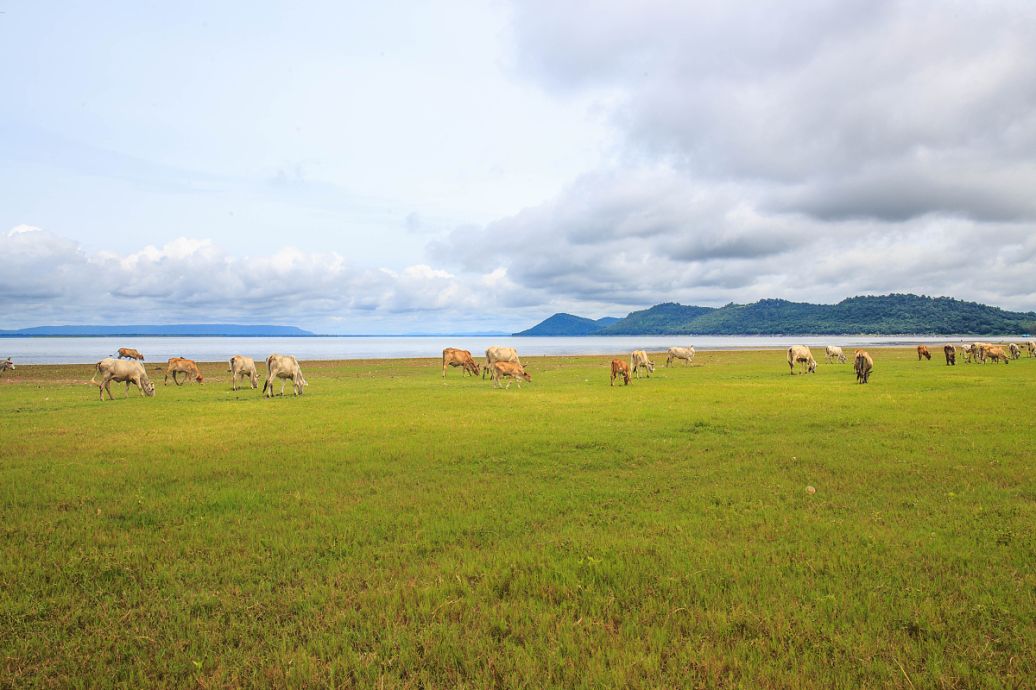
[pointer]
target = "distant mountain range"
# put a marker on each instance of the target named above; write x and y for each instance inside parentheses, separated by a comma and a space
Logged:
(184, 329)
(894, 314)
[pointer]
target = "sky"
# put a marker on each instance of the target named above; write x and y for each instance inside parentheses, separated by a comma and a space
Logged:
(401, 167)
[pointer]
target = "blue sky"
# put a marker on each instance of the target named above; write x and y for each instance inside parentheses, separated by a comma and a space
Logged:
(390, 167)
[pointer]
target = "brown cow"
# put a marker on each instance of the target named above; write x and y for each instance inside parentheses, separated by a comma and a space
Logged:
(454, 357)
(863, 366)
(620, 368)
(503, 370)
(996, 354)
(179, 365)
(951, 355)
(129, 353)
(922, 351)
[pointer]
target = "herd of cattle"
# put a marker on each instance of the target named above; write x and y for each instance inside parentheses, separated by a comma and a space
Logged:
(501, 363)
(128, 366)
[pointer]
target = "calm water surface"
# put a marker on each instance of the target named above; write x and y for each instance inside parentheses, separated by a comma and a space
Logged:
(90, 350)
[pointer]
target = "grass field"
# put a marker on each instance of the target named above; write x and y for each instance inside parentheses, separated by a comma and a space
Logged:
(388, 529)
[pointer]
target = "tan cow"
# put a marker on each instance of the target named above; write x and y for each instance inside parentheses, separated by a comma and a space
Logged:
(639, 360)
(922, 351)
(117, 370)
(503, 370)
(6, 364)
(1016, 351)
(684, 353)
(833, 352)
(620, 368)
(283, 367)
(130, 353)
(497, 353)
(180, 365)
(240, 367)
(800, 354)
(863, 365)
(996, 354)
(951, 355)
(981, 351)
(1030, 345)
(454, 357)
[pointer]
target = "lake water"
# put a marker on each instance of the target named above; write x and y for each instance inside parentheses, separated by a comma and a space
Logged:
(90, 350)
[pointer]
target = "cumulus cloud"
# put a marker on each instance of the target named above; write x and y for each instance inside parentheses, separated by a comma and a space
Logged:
(45, 278)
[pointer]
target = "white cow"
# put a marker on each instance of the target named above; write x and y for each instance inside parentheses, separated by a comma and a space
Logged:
(1030, 345)
(497, 353)
(638, 359)
(1016, 351)
(283, 367)
(120, 370)
(800, 354)
(6, 364)
(833, 352)
(240, 367)
(684, 353)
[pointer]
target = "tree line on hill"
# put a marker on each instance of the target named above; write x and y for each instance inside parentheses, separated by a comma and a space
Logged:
(893, 314)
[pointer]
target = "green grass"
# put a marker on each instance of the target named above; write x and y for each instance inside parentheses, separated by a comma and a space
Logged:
(387, 529)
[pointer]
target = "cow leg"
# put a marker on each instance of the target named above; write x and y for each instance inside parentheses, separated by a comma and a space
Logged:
(127, 389)
(177, 381)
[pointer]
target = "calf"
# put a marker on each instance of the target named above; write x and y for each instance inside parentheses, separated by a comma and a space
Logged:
(130, 353)
(180, 365)
(620, 368)
(511, 370)
(922, 351)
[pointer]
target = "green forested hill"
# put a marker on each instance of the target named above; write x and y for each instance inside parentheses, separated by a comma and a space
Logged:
(881, 315)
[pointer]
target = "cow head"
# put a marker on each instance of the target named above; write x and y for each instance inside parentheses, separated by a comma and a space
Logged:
(812, 366)
(199, 378)
(651, 367)
(149, 388)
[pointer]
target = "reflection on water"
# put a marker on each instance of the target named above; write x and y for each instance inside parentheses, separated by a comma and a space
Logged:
(89, 350)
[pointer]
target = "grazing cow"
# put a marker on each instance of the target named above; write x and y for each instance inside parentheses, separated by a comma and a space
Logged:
(951, 355)
(511, 370)
(638, 359)
(283, 367)
(922, 351)
(1030, 345)
(453, 357)
(970, 353)
(6, 364)
(620, 368)
(996, 354)
(800, 354)
(179, 365)
(130, 353)
(117, 370)
(497, 353)
(684, 353)
(833, 352)
(240, 367)
(1016, 351)
(863, 366)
